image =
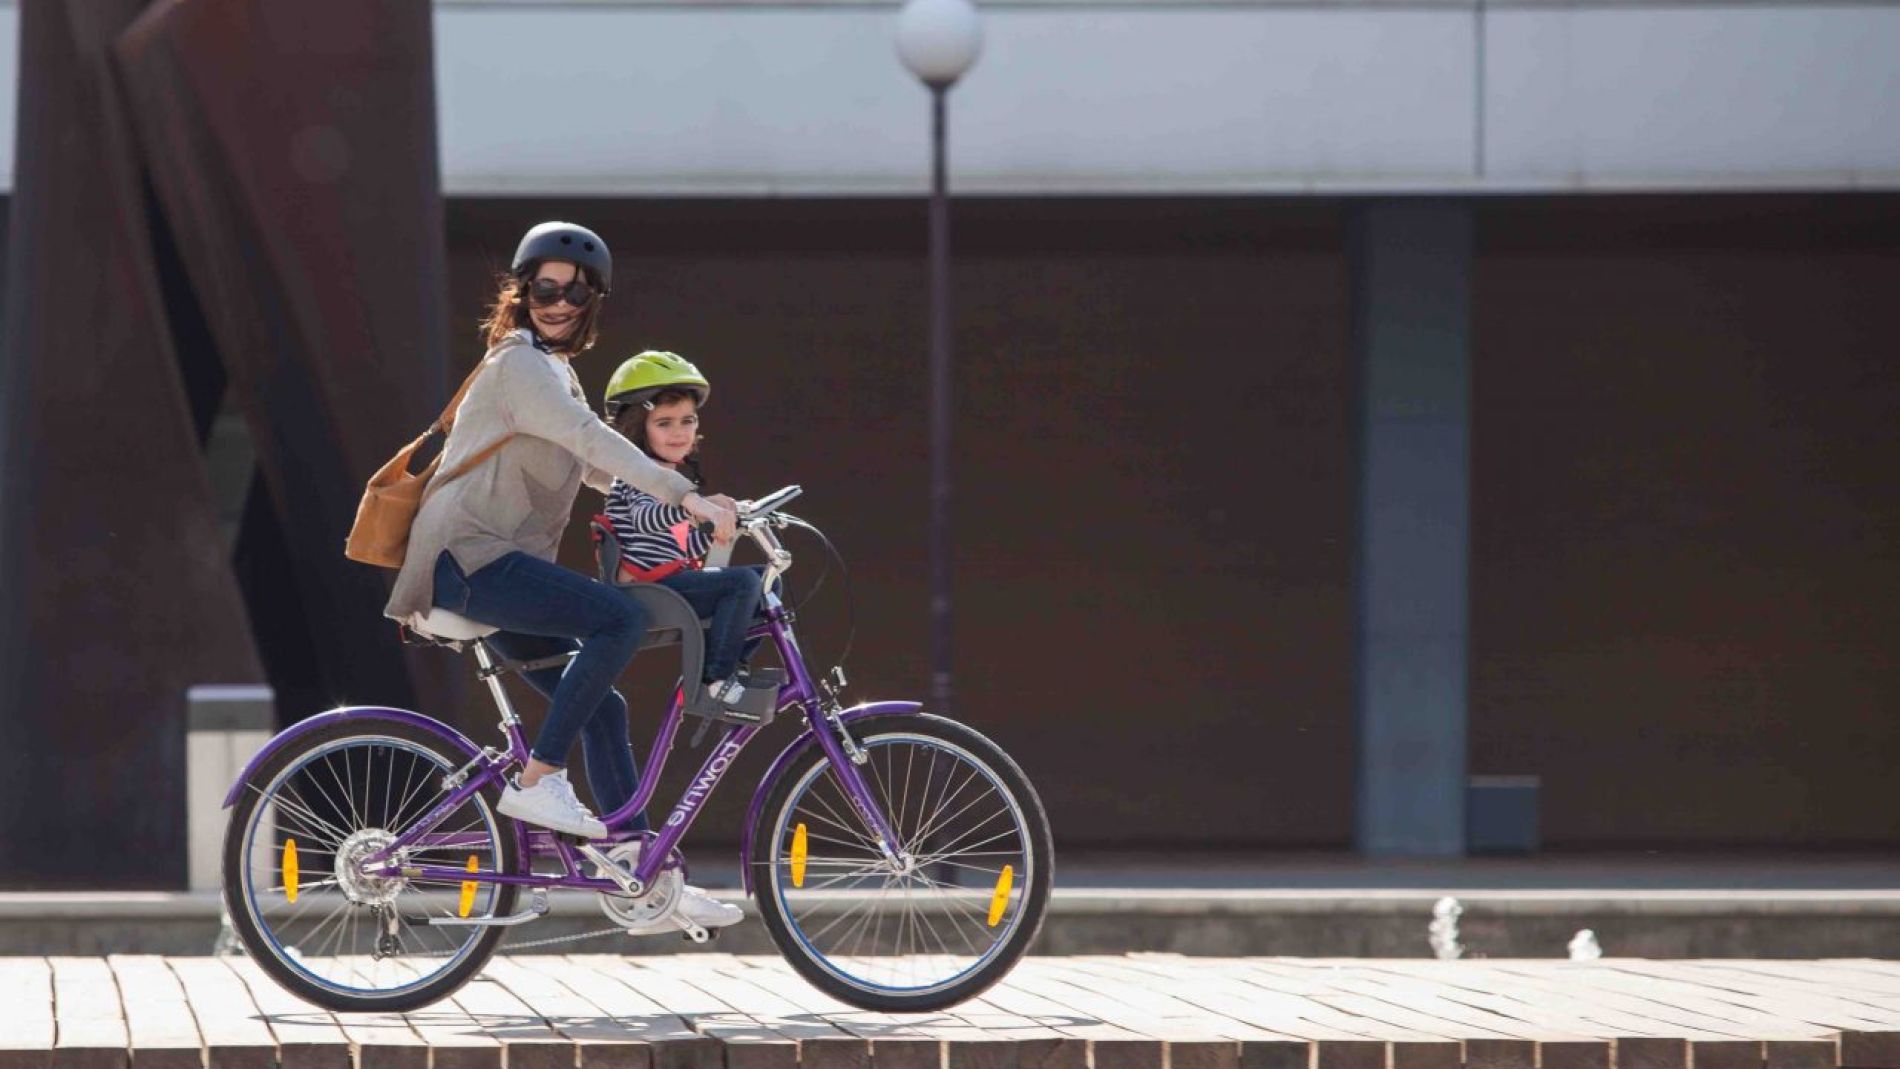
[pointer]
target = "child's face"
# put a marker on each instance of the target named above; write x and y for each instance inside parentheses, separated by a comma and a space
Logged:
(672, 429)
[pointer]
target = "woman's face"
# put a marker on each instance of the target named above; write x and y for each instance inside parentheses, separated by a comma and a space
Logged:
(672, 428)
(557, 320)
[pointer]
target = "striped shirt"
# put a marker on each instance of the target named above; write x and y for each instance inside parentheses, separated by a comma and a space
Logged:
(652, 534)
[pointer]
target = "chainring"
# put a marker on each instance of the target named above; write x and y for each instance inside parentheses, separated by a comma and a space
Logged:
(650, 909)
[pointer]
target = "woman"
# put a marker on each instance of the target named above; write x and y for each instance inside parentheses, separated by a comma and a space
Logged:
(483, 546)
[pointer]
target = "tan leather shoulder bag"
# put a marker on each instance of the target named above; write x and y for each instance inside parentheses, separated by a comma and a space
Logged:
(394, 495)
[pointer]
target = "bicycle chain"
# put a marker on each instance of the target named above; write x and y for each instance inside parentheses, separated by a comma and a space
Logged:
(529, 945)
(552, 940)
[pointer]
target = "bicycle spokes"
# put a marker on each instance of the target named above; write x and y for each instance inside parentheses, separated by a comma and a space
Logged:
(946, 904)
(313, 885)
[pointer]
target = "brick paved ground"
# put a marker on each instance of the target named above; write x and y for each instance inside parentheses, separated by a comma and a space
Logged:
(1140, 1011)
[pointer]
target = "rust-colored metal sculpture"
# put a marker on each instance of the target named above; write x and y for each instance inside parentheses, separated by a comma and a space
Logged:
(241, 193)
(292, 148)
(118, 594)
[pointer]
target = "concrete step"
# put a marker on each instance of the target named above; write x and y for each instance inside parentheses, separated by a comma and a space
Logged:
(1307, 922)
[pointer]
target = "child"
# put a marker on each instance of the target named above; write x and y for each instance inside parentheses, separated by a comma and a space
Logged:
(654, 400)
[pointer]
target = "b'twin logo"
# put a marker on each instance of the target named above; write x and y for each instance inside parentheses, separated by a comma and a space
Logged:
(703, 784)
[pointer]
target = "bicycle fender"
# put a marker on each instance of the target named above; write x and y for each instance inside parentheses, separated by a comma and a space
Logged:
(366, 713)
(805, 741)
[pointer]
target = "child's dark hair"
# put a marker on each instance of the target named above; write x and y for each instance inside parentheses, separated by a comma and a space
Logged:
(631, 422)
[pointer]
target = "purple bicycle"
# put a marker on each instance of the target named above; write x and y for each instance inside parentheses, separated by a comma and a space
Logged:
(900, 861)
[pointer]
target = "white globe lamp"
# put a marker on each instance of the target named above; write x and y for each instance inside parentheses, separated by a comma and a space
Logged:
(939, 39)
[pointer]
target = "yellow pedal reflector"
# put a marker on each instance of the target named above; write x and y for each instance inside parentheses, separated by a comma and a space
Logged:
(290, 869)
(1000, 899)
(799, 848)
(468, 889)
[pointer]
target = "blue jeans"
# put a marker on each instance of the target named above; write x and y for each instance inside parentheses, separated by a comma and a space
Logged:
(728, 599)
(541, 609)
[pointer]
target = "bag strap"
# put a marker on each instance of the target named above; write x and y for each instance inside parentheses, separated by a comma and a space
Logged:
(471, 463)
(446, 423)
(447, 419)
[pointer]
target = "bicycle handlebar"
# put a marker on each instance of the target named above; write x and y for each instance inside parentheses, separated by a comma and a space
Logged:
(753, 518)
(756, 512)
(753, 511)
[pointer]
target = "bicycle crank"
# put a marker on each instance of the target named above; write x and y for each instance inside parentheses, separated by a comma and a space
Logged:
(651, 910)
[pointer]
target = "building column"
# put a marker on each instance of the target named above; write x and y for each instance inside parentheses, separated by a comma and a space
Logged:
(1411, 324)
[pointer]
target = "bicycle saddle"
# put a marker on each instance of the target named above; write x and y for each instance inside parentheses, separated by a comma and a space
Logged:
(440, 623)
(672, 622)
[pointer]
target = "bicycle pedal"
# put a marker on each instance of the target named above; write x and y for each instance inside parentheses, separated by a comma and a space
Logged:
(691, 932)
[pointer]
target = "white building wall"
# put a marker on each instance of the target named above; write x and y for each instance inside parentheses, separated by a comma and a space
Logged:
(1077, 97)
(9, 89)
(743, 97)
(1637, 97)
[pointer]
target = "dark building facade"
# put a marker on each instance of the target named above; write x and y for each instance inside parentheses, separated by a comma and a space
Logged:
(1682, 494)
(1681, 477)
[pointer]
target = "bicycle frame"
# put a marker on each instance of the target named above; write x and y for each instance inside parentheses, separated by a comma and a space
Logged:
(801, 692)
(825, 724)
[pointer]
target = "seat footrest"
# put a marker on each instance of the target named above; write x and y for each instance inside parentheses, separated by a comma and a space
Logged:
(755, 708)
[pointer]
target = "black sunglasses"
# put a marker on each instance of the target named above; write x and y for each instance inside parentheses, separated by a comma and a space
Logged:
(543, 292)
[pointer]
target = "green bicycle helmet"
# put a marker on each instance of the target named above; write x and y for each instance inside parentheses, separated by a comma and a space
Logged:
(636, 381)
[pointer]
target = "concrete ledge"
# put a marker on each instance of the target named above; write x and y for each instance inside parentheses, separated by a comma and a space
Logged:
(1225, 922)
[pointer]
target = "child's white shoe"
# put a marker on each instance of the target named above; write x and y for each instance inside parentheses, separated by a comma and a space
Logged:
(551, 803)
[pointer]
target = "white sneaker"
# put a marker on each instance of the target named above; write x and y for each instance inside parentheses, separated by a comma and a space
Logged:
(551, 803)
(706, 911)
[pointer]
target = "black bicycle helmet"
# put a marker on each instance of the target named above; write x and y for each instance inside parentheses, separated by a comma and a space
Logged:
(566, 241)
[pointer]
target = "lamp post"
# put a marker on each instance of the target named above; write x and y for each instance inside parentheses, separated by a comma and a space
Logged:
(939, 40)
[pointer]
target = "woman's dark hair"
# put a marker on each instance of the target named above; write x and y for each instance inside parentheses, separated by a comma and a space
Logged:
(509, 312)
(632, 425)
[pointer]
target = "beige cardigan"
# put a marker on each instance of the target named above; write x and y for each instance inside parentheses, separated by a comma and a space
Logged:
(520, 498)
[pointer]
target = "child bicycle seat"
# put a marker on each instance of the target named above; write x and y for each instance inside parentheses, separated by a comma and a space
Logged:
(673, 620)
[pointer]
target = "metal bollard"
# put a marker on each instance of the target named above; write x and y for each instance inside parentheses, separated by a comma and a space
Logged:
(225, 726)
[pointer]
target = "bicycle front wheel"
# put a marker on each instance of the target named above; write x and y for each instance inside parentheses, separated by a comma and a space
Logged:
(958, 908)
(322, 924)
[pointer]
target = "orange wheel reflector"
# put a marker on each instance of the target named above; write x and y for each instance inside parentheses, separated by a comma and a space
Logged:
(468, 889)
(1000, 898)
(290, 869)
(799, 848)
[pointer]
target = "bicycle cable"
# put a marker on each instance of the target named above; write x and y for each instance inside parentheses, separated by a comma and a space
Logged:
(844, 577)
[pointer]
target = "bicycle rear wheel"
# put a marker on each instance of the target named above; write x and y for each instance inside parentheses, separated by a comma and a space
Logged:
(314, 920)
(896, 937)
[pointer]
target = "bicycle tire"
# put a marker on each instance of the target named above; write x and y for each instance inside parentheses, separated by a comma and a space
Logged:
(284, 964)
(773, 876)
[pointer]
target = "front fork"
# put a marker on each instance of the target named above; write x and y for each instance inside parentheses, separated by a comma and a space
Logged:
(847, 758)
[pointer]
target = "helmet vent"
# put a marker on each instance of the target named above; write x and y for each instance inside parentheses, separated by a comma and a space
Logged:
(566, 240)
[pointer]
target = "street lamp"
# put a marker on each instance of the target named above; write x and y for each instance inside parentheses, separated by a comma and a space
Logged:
(938, 40)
